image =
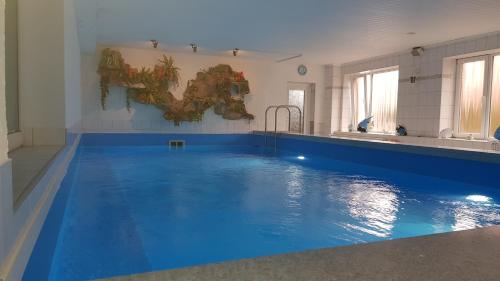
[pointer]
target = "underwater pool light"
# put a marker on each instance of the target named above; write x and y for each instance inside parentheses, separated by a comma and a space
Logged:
(301, 157)
(478, 198)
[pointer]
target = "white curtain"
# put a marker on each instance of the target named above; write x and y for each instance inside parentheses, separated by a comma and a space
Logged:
(495, 97)
(359, 100)
(384, 101)
(471, 101)
(376, 95)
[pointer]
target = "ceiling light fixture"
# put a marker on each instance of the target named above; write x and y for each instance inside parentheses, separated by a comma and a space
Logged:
(194, 46)
(235, 51)
(154, 42)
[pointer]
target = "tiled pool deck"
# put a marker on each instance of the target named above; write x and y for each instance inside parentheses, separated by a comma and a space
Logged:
(463, 255)
(451, 148)
(456, 143)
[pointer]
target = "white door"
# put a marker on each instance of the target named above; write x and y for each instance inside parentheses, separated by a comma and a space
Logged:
(302, 96)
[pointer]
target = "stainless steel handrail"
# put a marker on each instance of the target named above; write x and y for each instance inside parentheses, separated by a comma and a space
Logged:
(276, 122)
(265, 121)
(277, 108)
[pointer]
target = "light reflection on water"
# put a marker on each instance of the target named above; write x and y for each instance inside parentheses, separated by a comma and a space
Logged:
(295, 183)
(295, 189)
(469, 215)
(374, 206)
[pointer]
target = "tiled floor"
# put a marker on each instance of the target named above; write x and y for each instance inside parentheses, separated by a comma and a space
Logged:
(28, 164)
(464, 255)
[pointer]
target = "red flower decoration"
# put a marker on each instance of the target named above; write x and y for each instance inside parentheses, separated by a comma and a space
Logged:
(131, 72)
(238, 76)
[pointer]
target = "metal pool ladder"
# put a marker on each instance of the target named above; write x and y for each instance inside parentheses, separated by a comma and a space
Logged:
(276, 109)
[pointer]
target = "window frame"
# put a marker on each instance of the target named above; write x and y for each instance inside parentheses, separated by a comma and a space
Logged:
(487, 96)
(364, 74)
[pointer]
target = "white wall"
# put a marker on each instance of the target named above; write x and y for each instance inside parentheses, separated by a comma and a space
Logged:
(427, 106)
(72, 84)
(335, 88)
(3, 116)
(41, 68)
(5, 167)
(11, 65)
(49, 70)
(49, 96)
(268, 86)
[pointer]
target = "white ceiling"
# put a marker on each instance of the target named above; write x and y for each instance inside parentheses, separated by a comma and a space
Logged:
(324, 31)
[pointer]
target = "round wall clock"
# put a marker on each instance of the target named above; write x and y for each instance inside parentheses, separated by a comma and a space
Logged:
(302, 70)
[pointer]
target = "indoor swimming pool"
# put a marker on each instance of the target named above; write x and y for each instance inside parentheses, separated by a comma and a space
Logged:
(132, 204)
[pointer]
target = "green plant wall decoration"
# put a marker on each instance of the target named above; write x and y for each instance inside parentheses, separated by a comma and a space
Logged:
(219, 87)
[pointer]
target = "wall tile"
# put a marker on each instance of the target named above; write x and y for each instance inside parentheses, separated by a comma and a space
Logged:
(481, 44)
(428, 105)
(459, 48)
(471, 46)
(492, 42)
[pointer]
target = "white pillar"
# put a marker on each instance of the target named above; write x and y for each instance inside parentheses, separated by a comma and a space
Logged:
(5, 165)
(3, 116)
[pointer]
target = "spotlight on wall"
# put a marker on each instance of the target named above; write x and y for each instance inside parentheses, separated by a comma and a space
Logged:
(154, 42)
(194, 47)
(235, 51)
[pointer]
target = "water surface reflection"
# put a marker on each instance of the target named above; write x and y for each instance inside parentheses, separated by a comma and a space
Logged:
(374, 206)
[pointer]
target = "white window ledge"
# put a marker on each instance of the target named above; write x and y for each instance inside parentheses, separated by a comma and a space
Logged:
(483, 145)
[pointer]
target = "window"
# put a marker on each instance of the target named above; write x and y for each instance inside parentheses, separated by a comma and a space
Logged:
(477, 110)
(495, 97)
(376, 94)
(11, 66)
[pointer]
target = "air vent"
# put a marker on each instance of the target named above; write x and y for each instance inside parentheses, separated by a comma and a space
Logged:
(176, 144)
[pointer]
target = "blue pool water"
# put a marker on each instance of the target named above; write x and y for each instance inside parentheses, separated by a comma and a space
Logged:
(132, 209)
